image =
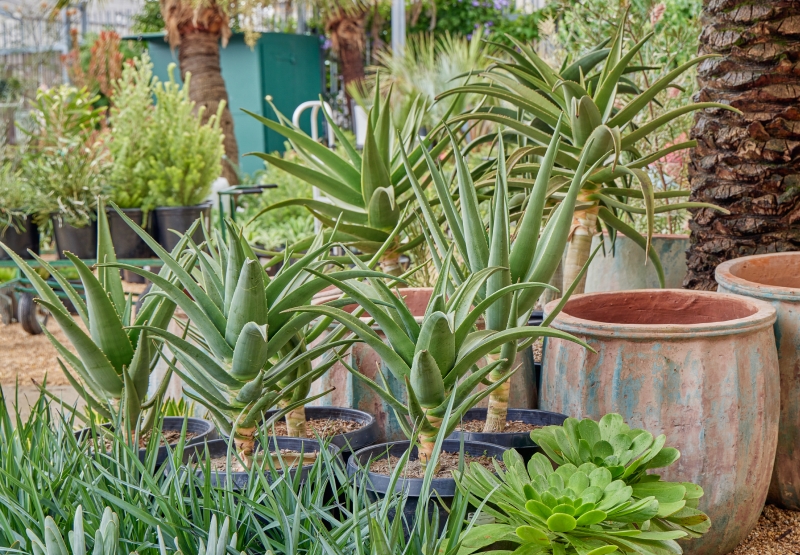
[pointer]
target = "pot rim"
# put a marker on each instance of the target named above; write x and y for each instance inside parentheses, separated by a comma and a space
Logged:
(202, 206)
(740, 286)
(764, 317)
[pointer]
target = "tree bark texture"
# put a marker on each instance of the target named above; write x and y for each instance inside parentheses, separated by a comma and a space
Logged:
(348, 41)
(199, 55)
(746, 163)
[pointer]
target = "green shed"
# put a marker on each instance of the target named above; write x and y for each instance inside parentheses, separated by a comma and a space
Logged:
(286, 67)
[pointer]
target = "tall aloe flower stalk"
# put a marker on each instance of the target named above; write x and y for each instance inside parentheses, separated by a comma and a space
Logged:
(365, 194)
(527, 255)
(432, 358)
(593, 108)
(249, 353)
(111, 369)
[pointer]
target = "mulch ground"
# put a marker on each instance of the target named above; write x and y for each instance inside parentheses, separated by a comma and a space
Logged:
(777, 533)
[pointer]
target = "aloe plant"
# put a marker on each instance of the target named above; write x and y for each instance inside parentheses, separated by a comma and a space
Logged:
(589, 95)
(529, 253)
(249, 354)
(628, 454)
(572, 510)
(111, 365)
(365, 193)
(433, 357)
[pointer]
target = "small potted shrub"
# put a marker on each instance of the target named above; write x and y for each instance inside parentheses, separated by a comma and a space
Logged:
(67, 164)
(17, 228)
(179, 157)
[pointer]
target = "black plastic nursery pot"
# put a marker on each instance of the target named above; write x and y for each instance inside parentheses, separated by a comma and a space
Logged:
(521, 441)
(204, 430)
(80, 241)
(378, 484)
(20, 241)
(170, 219)
(351, 441)
(196, 454)
(127, 243)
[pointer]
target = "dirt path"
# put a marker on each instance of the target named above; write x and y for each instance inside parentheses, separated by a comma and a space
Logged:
(27, 357)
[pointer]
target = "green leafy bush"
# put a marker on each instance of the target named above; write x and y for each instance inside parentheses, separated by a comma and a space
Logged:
(163, 154)
(16, 195)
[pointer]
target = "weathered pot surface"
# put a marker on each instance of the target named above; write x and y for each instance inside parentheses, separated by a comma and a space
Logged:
(697, 366)
(775, 278)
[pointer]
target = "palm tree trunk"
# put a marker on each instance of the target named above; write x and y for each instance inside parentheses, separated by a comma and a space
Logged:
(746, 163)
(199, 55)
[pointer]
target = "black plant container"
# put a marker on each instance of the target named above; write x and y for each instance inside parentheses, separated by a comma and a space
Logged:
(80, 241)
(204, 430)
(445, 488)
(521, 441)
(127, 243)
(20, 242)
(219, 448)
(180, 219)
(351, 441)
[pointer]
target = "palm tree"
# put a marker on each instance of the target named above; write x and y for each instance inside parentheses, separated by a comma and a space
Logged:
(746, 163)
(198, 27)
(344, 24)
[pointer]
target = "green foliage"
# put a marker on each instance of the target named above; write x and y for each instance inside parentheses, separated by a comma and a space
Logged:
(149, 19)
(164, 154)
(567, 511)
(628, 455)
(16, 195)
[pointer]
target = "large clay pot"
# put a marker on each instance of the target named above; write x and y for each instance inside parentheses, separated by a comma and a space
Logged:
(627, 267)
(775, 278)
(352, 392)
(701, 368)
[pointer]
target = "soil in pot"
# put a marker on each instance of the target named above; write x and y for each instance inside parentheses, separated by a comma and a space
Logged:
(323, 428)
(448, 462)
(20, 240)
(517, 434)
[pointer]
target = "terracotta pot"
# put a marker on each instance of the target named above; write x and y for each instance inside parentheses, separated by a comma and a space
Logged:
(775, 278)
(627, 267)
(701, 368)
(351, 392)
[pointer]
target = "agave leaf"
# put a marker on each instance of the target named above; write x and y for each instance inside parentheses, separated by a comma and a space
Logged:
(97, 365)
(106, 329)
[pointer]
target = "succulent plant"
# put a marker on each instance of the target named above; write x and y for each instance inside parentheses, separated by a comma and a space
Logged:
(249, 354)
(433, 356)
(528, 253)
(628, 454)
(365, 193)
(580, 510)
(589, 94)
(112, 361)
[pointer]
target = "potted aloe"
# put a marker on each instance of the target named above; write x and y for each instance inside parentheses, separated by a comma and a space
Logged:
(433, 362)
(17, 227)
(249, 356)
(112, 360)
(67, 164)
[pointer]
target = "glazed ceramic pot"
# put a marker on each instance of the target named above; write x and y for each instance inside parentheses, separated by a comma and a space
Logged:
(775, 278)
(697, 366)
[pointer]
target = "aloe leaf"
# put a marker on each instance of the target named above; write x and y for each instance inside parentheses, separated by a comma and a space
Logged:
(462, 302)
(139, 370)
(563, 301)
(658, 155)
(497, 312)
(383, 210)
(77, 365)
(374, 170)
(249, 303)
(41, 286)
(326, 208)
(527, 235)
(250, 352)
(609, 80)
(416, 412)
(109, 278)
(352, 153)
(209, 396)
(281, 282)
(131, 404)
(437, 338)
(448, 206)
(384, 394)
(328, 158)
(200, 297)
(397, 336)
(585, 118)
(233, 268)
(97, 365)
(550, 77)
(643, 131)
(76, 300)
(584, 64)
(106, 328)
(393, 361)
(612, 221)
(365, 232)
(466, 387)
(91, 400)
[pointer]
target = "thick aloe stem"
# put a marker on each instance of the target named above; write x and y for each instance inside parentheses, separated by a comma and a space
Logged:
(296, 422)
(498, 405)
(584, 226)
(245, 442)
(427, 441)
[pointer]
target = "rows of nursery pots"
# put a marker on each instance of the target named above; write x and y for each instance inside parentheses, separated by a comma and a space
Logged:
(164, 223)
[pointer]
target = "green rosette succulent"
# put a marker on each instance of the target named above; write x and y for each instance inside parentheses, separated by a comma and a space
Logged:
(628, 454)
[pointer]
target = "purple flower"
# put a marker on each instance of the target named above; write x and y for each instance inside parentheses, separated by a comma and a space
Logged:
(477, 25)
(475, 3)
(327, 44)
(489, 23)
(469, 36)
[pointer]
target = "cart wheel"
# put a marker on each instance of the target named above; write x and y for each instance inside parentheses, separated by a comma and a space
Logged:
(32, 316)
